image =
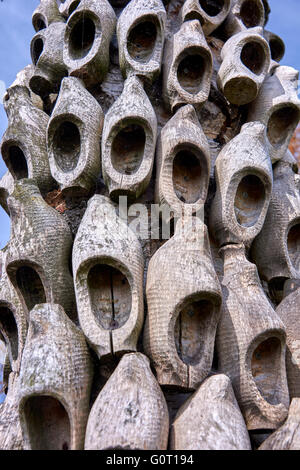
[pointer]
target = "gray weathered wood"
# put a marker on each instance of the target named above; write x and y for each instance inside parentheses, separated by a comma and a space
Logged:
(246, 61)
(55, 382)
(184, 299)
(130, 412)
(251, 344)
(88, 34)
(210, 419)
(288, 436)
(108, 270)
(73, 137)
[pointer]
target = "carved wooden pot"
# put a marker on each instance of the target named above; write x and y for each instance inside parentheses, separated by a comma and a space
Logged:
(251, 344)
(73, 137)
(86, 44)
(37, 260)
(184, 299)
(55, 382)
(130, 411)
(128, 142)
(197, 424)
(244, 180)
(108, 270)
(141, 35)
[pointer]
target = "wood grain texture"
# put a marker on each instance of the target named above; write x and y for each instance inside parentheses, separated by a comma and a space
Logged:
(183, 163)
(187, 67)
(277, 48)
(129, 141)
(23, 144)
(108, 270)
(245, 64)
(244, 181)
(289, 312)
(277, 106)
(141, 35)
(88, 34)
(73, 137)
(10, 427)
(244, 14)
(13, 321)
(55, 382)
(46, 50)
(6, 188)
(287, 437)
(46, 13)
(67, 7)
(276, 249)
(210, 419)
(37, 260)
(184, 299)
(251, 344)
(130, 412)
(210, 14)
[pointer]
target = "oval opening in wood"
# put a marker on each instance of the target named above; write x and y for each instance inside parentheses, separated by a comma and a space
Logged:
(212, 7)
(81, 37)
(16, 162)
(128, 147)
(37, 49)
(266, 369)
(192, 326)
(281, 123)
(293, 243)
(110, 296)
(276, 289)
(66, 146)
(9, 331)
(277, 49)
(251, 14)
(38, 23)
(191, 72)
(47, 424)
(249, 200)
(189, 176)
(253, 57)
(31, 287)
(141, 41)
(73, 6)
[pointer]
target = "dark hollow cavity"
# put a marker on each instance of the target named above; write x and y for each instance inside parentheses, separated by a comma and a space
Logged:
(249, 200)
(141, 41)
(66, 146)
(128, 149)
(276, 289)
(31, 287)
(110, 296)
(253, 57)
(17, 163)
(192, 325)
(281, 123)
(188, 176)
(39, 24)
(277, 49)
(266, 369)
(212, 7)
(37, 49)
(250, 14)
(82, 37)
(9, 330)
(191, 72)
(47, 423)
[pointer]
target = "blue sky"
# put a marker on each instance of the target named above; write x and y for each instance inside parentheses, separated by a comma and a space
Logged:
(16, 32)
